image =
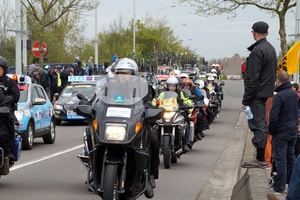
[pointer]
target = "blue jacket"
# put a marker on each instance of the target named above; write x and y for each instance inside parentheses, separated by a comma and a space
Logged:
(284, 112)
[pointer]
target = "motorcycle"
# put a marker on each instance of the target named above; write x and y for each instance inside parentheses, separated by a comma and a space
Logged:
(4, 113)
(116, 145)
(171, 128)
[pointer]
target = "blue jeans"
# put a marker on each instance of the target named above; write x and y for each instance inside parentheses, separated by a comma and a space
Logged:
(186, 136)
(283, 150)
(294, 186)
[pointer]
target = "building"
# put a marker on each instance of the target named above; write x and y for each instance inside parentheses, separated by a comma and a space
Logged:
(232, 67)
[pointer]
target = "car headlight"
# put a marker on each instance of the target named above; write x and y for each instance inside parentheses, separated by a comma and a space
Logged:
(58, 107)
(168, 116)
(115, 132)
(19, 114)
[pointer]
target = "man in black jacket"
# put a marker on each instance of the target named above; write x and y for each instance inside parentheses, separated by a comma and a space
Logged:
(259, 80)
(284, 128)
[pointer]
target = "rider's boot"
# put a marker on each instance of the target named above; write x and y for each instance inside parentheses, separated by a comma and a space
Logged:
(5, 168)
(149, 193)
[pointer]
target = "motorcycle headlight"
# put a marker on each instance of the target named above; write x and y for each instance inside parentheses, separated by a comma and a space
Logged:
(19, 114)
(116, 132)
(58, 107)
(168, 116)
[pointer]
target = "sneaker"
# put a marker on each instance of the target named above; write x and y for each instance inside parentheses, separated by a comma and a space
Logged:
(274, 192)
(5, 168)
(152, 181)
(185, 148)
(255, 164)
(272, 196)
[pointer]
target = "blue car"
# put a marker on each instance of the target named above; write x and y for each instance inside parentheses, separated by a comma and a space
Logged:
(35, 113)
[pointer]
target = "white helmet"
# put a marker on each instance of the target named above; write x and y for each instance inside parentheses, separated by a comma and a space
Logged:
(200, 82)
(213, 71)
(127, 65)
(184, 75)
(172, 80)
(210, 78)
(214, 75)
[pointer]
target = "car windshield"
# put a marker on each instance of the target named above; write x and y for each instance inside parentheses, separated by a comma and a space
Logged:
(73, 90)
(148, 77)
(164, 71)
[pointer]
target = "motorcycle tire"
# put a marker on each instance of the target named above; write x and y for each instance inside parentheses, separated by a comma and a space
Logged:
(166, 152)
(111, 183)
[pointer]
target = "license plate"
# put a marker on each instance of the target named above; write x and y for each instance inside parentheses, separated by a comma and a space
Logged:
(70, 112)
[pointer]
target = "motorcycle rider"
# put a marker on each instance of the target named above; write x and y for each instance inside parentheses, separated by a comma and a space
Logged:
(188, 84)
(129, 67)
(172, 84)
(8, 87)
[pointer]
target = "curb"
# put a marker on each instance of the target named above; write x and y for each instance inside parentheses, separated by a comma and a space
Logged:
(225, 173)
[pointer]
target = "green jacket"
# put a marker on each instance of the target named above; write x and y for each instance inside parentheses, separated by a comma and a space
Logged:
(185, 99)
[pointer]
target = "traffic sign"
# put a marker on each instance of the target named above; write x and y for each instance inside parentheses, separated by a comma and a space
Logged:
(36, 49)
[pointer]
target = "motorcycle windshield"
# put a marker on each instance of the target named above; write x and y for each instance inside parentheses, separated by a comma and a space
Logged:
(168, 100)
(121, 89)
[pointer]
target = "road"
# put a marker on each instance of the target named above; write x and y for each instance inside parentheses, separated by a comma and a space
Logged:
(53, 171)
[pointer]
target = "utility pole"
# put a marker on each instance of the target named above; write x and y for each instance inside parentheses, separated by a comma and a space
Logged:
(24, 35)
(297, 36)
(18, 37)
(96, 35)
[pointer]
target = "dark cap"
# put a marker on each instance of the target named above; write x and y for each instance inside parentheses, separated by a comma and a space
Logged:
(260, 27)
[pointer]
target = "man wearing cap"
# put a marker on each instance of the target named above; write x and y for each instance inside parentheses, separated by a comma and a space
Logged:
(259, 80)
(45, 80)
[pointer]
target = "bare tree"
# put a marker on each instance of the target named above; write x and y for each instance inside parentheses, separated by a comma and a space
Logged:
(277, 8)
(47, 12)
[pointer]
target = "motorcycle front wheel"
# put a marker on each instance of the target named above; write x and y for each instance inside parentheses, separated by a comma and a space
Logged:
(111, 183)
(166, 152)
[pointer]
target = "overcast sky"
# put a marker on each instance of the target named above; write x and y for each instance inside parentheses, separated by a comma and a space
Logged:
(213, 37)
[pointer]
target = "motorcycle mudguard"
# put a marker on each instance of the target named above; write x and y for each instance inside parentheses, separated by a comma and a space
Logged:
(18, 147)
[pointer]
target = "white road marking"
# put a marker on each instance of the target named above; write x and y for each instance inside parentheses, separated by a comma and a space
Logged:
(45, 157)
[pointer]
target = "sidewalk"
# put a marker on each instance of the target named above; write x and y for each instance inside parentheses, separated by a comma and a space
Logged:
(249, 154)
(228, 180)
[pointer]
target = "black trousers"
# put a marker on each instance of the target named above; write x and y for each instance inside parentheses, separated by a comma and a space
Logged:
(154, 153)
(4, 139)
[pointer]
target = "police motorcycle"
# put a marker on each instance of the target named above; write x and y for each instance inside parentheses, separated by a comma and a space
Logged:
(171, 127)
(116, 145)
(4, 114)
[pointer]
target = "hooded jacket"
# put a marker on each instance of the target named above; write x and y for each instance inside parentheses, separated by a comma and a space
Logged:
(260, 74)
(284, 112)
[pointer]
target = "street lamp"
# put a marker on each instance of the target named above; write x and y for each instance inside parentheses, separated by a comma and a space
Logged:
(178, 26)
(164, 8)
(133, 49)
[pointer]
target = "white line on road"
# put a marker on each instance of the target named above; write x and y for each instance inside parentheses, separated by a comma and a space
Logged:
(45, 157)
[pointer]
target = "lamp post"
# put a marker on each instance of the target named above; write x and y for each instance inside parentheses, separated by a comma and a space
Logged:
(164, 8)
(133, 48)
(178, 26)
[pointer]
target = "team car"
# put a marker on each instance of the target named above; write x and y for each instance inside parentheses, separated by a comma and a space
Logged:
(67, 100)
(35, 113)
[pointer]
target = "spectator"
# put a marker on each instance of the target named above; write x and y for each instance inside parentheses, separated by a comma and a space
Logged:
(259, 82)
(105, 66)
(294, 186)
(90, 66)
(83, 65)
(32, 68)
(35, 77)
(284, 129)
(45, 80)
(64, 77)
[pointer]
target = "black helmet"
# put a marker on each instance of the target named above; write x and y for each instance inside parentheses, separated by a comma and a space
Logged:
(4, 64)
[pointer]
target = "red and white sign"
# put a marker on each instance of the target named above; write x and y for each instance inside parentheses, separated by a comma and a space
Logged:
(36, 49)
